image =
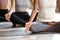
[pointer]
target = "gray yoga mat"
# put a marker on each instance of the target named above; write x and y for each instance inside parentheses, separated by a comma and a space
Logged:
(7, 30)
(4, 25)
(13, 32)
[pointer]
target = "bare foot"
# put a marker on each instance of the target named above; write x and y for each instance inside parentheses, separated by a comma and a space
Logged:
(51, 24)
(18, 25)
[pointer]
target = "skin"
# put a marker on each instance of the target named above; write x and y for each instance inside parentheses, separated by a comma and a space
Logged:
(34, 12)
(58, 5)
(35, 7)
(32, 1)
(12, 8)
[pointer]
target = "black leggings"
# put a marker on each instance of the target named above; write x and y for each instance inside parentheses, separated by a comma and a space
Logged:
(16, 17)
(2, 14)
(19, 17)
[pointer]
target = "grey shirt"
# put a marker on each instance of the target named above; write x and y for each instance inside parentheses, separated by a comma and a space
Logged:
(22, 4)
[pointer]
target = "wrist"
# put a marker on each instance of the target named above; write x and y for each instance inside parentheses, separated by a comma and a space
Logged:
(10, 13)
(30, 21)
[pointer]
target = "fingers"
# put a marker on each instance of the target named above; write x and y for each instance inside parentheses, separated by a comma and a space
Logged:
(7, 17)
(27, 26)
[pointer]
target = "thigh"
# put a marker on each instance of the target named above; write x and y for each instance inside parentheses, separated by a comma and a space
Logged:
(16, 20)
(2, 19)
(39, 27)
(2, 14)
(23, 15)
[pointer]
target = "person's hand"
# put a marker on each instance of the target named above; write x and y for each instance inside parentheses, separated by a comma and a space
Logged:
(7, 16)
(27, 26)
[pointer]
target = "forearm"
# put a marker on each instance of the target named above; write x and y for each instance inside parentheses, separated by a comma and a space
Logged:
(34, 12)
(32, 1)
(12, 8)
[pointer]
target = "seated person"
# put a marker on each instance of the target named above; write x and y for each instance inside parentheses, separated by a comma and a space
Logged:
(21, 16)
(47, 13)
(5, 11)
